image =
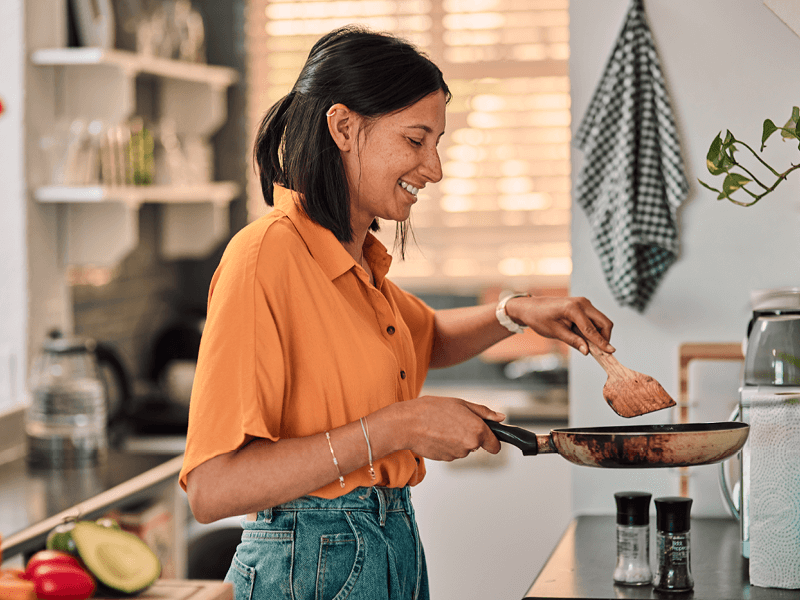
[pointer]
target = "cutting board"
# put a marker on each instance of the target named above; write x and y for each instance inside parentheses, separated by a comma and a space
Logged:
(186, 589)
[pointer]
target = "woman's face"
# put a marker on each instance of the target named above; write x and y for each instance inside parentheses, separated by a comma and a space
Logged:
(394, 158)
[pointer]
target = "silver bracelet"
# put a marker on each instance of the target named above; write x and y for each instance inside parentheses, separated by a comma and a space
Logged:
(502, 315)
(365, 429)
(335, 462)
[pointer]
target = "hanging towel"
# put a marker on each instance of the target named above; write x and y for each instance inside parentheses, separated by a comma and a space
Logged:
(632, 181)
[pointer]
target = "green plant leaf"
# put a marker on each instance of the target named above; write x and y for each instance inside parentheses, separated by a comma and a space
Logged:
(721, 195)
(719, 159)
(733, 182)
(769, 129)
(796, 119)
(728, 148)
(791, 130)
(714, 157)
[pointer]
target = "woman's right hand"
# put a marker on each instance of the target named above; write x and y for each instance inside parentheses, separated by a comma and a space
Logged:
(442, 428)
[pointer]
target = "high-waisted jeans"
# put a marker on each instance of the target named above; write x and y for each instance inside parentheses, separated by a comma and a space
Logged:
(361, 546)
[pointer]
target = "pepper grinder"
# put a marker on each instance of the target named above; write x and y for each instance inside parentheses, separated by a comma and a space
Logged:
(633, 538)
(673, 545)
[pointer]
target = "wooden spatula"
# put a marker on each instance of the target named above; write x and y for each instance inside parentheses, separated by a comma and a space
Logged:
(629, 393)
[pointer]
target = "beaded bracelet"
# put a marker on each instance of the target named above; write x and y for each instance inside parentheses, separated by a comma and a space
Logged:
(335, 462)
(365, 429)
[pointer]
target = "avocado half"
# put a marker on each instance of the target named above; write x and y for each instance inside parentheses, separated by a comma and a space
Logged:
(118, 559)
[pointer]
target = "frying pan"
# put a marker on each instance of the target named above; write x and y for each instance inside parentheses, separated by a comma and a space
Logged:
(632, 446)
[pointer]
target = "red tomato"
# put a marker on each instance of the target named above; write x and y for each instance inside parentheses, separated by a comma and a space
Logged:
(62, 582)
(50, 557)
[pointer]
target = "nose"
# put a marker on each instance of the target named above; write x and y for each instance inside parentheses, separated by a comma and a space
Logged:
(432, 166)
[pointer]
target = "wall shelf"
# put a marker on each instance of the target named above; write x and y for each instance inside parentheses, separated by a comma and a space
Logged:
(218, 192)
(98, 224)
(134, 64)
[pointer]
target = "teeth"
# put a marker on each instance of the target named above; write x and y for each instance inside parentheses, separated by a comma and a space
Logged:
(409, 188)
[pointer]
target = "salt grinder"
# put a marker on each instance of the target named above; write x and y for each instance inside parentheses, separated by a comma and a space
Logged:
(673, 545)
(633, 539)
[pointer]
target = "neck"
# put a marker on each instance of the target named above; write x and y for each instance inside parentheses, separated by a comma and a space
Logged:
(356, 248)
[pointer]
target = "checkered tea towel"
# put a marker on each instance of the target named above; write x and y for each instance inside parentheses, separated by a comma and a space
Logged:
(632, 181)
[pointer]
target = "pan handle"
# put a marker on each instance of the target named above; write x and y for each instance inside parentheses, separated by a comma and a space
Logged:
(527, 441)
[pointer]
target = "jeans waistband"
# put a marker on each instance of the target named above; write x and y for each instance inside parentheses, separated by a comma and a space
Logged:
(375, 499)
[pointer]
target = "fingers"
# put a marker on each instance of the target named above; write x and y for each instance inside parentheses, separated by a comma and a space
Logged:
(452, 428)
(488, 441)
(484, 412)
(590, 324)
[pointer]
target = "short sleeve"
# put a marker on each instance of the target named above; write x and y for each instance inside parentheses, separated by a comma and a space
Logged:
(232, 399)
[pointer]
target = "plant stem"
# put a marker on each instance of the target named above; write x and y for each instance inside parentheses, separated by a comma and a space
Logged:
(753, 177)
(774, 172)
(781, 177)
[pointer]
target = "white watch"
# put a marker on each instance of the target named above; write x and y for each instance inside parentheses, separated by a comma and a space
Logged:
(504, 319)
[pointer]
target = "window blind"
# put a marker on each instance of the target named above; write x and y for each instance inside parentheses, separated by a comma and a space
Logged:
(501, 214)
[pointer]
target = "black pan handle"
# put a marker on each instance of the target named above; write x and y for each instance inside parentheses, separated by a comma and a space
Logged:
(516, 436)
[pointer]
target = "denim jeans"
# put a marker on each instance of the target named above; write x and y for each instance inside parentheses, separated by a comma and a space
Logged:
(361, 546)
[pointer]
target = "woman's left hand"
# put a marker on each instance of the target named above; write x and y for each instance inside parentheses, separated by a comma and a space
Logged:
(555, 317)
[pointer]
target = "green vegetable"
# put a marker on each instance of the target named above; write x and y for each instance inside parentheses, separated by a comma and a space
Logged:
(118, 559)
(60, 538)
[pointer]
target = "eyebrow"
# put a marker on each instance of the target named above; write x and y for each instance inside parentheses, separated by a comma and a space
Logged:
(424, 128)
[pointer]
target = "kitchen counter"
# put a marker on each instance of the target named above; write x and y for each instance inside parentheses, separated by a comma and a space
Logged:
(582, 564)
(33, 502)
(182, 589)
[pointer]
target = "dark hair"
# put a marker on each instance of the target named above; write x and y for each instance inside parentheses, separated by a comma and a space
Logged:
(373, 74)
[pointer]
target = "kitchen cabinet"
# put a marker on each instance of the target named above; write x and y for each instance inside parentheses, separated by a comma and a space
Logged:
(103, 89)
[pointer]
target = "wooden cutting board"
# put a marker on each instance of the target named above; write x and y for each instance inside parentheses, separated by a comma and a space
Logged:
(186, 589)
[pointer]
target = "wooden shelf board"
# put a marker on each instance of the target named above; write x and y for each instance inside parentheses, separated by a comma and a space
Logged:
(213, 75)
(220, 192)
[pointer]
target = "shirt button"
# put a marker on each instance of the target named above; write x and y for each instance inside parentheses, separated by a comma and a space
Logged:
(390, 330)
(402, 374)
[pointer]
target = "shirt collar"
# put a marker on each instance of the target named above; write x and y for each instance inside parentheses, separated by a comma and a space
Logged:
(327, 251)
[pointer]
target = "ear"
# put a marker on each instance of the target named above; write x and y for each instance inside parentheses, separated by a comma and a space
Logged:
(343, 126)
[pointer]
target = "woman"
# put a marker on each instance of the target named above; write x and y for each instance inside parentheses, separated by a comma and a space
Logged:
(305, 412)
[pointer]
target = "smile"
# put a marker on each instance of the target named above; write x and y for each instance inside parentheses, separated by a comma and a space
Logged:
(408, 187)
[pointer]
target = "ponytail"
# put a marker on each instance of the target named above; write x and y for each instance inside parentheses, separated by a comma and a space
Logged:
(267, 148)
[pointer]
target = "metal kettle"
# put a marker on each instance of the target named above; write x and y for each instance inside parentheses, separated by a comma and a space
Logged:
(771, 373)
(772, 349)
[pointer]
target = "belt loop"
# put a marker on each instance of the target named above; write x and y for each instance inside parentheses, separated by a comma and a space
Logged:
(407, 501)
(381, 506)
(267, 515)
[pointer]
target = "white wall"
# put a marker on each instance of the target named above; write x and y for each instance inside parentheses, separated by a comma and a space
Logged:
(728, 64)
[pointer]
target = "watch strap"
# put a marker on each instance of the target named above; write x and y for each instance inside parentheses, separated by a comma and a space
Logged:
(502, 315)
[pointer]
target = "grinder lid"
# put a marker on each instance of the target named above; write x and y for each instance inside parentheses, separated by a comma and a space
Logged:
(633, 508)
(672, 514)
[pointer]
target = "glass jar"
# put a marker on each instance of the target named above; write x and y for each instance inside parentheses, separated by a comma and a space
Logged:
(633, 539)
(673, 545)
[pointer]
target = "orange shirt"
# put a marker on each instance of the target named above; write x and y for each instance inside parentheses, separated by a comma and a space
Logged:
(297, 342)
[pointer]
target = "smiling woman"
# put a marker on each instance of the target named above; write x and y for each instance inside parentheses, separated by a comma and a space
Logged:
(306, 411)
(505, 155)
